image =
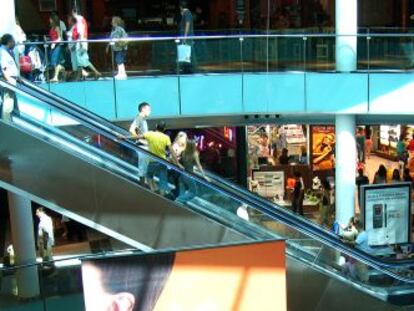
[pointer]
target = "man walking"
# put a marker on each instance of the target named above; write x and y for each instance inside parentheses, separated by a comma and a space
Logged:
(10, 72)
(45, 236)
(186, 29)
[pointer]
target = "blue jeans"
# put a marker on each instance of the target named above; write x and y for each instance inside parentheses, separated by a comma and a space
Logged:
(159, 170)
(55, 56)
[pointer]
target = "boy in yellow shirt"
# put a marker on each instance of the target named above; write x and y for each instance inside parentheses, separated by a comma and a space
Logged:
(158, 144)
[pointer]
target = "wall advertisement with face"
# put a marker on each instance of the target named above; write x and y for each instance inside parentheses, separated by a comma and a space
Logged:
(236, 277)
(323, 147)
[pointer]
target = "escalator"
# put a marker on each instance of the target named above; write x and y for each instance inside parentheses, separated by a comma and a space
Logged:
(73, 161)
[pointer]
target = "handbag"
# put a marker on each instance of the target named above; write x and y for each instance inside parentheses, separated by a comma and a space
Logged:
(8, 104)
(184, 53)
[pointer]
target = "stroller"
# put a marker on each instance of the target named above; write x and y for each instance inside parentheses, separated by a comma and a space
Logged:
(37, 59)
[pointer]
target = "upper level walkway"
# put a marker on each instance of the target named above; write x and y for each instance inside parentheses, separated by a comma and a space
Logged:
(250, 74)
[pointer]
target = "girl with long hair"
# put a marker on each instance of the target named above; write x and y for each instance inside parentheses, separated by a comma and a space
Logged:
(55, 34)
(189, 159)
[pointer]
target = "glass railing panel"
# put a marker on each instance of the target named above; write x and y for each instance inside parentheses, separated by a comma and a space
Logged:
(222, 55)
(363, 53)
(286, 53)
(320, 53)
(61, 284)
(254, 54)
(360, 272)
(71, 61)
(259, 52)
(391, 52)
(151, 58)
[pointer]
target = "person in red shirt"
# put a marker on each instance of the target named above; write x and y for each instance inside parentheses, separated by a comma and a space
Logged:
(80, 34)
(411, 145)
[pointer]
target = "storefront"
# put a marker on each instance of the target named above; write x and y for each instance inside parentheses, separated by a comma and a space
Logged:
(277, 152)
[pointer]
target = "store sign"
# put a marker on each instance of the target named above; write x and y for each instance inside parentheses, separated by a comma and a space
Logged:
(387, 211)
(323, 147)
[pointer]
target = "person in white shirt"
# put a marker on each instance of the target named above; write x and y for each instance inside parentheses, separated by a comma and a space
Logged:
(10, 73)
(45, 235)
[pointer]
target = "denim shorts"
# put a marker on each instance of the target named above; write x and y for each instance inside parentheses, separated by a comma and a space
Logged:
(120, 57)
(55, 56)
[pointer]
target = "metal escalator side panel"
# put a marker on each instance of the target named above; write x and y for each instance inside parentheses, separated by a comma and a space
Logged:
(94, 194)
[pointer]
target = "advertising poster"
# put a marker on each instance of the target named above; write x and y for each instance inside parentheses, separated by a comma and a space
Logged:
(387, 210)
(389, 135)
(241, 277)
(270, 184)
(323, 147)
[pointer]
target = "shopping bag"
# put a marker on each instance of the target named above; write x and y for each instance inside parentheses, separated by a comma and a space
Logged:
(8, 105)
(184, 53)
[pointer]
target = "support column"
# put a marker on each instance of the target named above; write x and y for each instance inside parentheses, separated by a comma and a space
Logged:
(21, 222)
(7, 17)
(345, 167)
(346, 23)
(241, 154)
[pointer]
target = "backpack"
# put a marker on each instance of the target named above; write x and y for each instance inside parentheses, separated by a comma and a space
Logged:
(25, 63)
(121, 43)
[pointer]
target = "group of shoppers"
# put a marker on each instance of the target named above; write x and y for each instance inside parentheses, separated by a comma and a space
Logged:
(68, 49)
(76, 34)
(181, 152)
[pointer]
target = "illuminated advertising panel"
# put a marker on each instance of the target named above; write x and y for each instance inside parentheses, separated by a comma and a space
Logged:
(387, 211)
(238, 277)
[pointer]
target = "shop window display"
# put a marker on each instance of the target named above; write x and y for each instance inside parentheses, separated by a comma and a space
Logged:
(277, 153)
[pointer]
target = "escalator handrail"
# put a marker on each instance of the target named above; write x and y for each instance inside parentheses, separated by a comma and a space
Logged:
(280, 214)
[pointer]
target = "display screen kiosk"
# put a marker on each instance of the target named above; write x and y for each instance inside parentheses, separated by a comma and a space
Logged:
(386, 212)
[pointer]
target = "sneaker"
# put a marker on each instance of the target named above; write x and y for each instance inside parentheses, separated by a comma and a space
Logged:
(121, 77)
